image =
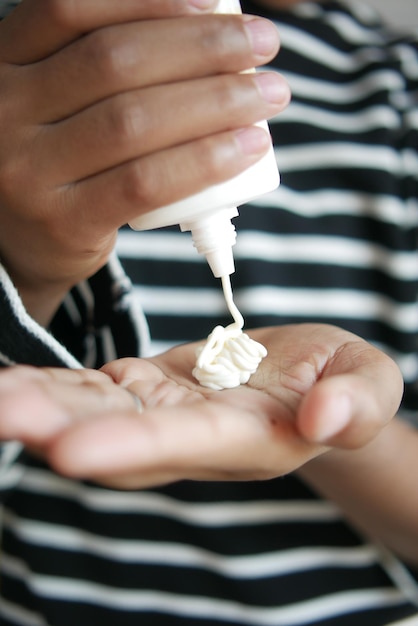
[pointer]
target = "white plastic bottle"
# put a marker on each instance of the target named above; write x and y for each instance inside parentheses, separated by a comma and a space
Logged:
(208, 213)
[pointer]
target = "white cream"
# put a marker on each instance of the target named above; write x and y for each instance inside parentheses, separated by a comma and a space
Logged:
(229, 356)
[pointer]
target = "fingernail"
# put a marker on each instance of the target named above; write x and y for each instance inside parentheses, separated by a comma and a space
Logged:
(201, 5)
(262, 34)
(253, 140)
(272, 87)
(338, 415)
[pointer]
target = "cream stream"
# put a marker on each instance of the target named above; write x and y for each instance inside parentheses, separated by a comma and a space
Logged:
(229, 356)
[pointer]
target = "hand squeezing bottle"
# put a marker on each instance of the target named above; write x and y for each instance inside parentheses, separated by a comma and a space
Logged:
(229, 356)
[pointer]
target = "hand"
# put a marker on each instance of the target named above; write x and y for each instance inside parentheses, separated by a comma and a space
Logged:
(111, 109)
(318, 387)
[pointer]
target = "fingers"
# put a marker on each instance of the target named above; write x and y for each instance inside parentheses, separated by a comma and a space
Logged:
(236, 434)
(125, 57)
(97, 113)
(37, 28)
(110, 89)
(219, 440)
(342, 390)
(132, 189)
(358, 394)
(37, 404)
(138, 123)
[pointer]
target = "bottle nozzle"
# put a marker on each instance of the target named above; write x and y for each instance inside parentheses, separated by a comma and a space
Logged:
(213, 236)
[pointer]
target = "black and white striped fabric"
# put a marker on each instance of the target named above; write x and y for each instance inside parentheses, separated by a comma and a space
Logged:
(6, 6)
(336, 243)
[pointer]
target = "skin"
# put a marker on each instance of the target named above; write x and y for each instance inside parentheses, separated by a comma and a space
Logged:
(321, 403)
(83, 120)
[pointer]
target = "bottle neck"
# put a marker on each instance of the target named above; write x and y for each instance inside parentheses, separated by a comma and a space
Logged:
(214, 236)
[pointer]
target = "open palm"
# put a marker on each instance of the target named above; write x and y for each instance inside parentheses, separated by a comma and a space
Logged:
(318, 387)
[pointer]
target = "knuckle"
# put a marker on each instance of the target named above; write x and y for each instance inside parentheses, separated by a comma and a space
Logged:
(213, 159)
(222, 40)
(20, 143)
(232, 94)
(104, 54)
(12, 170)
(208, 163)
(213, 40)
(141, 184)
(63, 13)
(126, 119)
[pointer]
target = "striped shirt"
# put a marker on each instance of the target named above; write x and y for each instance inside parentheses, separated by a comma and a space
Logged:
(336, 243)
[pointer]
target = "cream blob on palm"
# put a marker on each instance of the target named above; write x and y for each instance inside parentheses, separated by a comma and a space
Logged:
(229, 356)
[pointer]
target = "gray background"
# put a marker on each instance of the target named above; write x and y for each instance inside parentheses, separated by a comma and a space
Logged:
(403, 13)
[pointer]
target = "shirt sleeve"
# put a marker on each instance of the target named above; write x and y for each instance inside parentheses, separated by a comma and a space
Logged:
(100, 319)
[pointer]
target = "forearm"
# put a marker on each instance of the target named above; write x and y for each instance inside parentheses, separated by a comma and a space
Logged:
(375, 486)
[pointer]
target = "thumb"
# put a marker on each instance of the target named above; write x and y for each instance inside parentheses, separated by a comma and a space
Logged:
(348, 409)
